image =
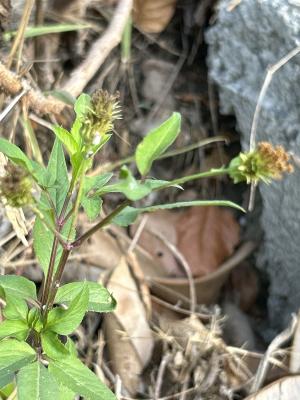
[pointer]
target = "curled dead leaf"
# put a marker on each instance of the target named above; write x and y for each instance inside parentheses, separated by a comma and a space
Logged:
(152, 16)
(206, 236)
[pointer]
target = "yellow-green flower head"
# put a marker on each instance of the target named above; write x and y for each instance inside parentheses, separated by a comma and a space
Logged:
(15, 187)
(104, 110)
(264, 163)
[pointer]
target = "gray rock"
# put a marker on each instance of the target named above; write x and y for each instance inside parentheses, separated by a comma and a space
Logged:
(242, 44)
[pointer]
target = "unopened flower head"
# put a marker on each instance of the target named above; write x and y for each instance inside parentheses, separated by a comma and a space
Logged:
(264, 163)
(15, 187)
(104, 110)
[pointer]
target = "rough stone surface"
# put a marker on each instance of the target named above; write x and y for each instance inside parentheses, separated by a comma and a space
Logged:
(242, 43)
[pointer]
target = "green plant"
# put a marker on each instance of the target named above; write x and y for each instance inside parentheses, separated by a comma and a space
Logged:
(35, 346)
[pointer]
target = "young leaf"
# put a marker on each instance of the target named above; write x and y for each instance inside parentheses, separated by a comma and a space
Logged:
(71, 347)
(14, 328)
(65, 322)
(130, 187)
(129, 214)
(15, 309)
(15, 154)
(92, 205)
(34, 382)
(66, 138)
(82, 105)
(53, 347)
(100, 300)
(57, 169)
(156, 143)
(43, 237)
(77, 377)
(18, 286)
(13, 356)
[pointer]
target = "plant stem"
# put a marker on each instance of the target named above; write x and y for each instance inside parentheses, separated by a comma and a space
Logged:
(55, 232)
(47, 284)
(57, 278)
(113, 165)
(48, 281)
(126, 42)
(105, 221)
(199, 175)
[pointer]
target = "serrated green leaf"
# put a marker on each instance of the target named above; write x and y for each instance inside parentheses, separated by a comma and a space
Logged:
(66, 138)
(77, 377)
(100, 300)
(13, 356)
(15, 154)
(52, 346)
(18, 286)
(34, 382)
(15, 309)
(65, 322)
(130, 214)
(58, 172)
(156, 143)
(71, 347)
(14, 328)
(34, 319)
(82, 105)
(65, 393)
(127, 216)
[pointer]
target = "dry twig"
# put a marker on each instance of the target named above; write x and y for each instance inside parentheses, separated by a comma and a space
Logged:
(11, 84)
(100, 50)
(279, 340)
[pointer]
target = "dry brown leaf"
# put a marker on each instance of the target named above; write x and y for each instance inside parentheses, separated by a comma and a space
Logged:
(284, 389)
(101, 250)
(206, 237)
(144, 288)
(163, 222)
(152, 16)
(127, 329)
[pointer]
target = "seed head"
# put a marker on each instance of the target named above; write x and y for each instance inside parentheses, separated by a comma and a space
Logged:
(100, 118)
(15, 187)
(264, 163)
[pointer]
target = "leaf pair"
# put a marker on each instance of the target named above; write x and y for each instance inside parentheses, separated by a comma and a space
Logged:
(130, 187)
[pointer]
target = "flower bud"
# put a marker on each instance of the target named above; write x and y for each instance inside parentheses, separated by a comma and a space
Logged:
(99, 120)
(264, 163)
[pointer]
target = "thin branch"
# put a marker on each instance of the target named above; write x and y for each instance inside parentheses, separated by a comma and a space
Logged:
(105, 221)
(270, 72)
(100, 49)
(182, 260)
(279, 340)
